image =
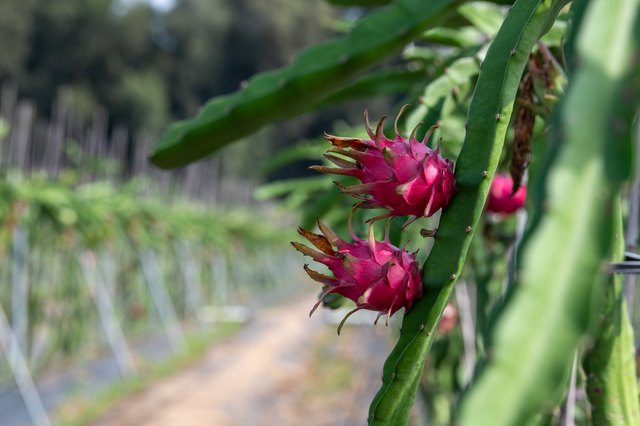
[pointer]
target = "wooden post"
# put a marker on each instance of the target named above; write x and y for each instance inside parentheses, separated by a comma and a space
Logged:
(191, 276)
(106, 313)
(21, 135)
(19, 288)
(220, 278)
(162, 301)
(56, 136)
(21, 374)
(8, 101)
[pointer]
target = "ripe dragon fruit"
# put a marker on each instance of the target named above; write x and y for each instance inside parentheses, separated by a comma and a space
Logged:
(401, 175)
(375, 275)
(501, 197)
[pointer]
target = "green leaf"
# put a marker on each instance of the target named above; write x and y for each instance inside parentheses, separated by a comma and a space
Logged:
(289, 91)
(459, 72)
(458, 37)
(485, 16)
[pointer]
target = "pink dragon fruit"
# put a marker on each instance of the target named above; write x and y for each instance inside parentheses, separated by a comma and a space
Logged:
(502, 200)
(375, 275)
(401, 175)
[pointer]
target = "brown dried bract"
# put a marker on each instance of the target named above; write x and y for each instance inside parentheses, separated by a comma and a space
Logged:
(523, 125)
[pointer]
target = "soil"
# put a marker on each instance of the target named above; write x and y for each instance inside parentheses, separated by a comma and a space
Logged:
(282, 369)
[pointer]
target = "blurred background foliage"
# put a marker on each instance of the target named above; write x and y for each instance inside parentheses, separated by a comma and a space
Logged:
(148, 66)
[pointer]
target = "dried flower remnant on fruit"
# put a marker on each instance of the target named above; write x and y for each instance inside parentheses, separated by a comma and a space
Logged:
(375, 275)
(501, 200)
(404, 176)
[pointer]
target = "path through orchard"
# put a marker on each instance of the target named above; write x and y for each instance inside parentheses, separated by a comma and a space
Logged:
(283, 369)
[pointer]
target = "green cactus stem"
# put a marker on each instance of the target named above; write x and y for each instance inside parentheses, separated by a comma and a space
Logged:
(292, 90)
(488, 119)
(610, 364)
(552, 310)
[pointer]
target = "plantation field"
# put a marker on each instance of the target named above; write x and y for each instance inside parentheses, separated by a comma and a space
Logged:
(427, 216)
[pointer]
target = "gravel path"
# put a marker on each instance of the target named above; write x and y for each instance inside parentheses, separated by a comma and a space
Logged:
(283, 369)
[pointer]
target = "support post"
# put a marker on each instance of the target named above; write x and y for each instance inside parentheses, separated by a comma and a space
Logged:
(164, 306)
(21, 374)
(106, 313)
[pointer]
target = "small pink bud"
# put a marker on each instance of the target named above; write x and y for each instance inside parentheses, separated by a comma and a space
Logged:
(375, 275)
(500, 198)
(449, 319)
(401, 175)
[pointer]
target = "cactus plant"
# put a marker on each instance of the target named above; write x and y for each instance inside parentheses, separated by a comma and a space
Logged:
(489, 115)
(610, 364)
(554, 286)
(293, 89)
(563, 259)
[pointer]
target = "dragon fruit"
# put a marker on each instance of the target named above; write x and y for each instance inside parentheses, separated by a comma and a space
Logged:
(502, 200)
(401, 175)
(375, 275)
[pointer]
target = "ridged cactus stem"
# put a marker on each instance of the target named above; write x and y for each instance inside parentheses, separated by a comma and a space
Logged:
(552, 310)
(292, 90)
(610, 364)
(488, 119)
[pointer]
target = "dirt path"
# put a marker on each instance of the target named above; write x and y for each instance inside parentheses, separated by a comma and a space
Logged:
(283, 369)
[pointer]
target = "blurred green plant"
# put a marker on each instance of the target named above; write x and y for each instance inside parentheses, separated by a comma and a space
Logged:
(4, 129)
(64, 221)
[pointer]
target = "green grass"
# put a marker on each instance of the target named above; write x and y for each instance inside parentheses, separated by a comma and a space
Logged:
(81, 410)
